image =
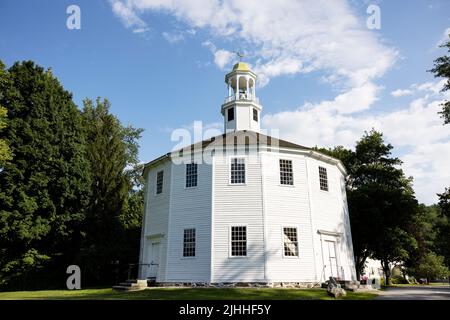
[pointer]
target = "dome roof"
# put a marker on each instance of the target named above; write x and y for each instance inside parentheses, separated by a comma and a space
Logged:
(241, 66)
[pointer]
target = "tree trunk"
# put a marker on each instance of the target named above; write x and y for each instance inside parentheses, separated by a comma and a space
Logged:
(387, 272)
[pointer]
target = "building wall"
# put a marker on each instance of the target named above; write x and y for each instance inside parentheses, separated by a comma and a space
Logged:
(235, 205)
(190, 208)
(264, 206)
(156, 218)
(287, 206)
(330, 213)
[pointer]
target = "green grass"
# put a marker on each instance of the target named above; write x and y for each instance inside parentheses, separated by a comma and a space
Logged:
(183, 294)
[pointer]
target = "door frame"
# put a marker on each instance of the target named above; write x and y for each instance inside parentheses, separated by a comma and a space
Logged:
(153, 239)
(336, 238)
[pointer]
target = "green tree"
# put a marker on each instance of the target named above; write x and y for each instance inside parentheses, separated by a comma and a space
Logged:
(5, 151)
(442, 69)
(430, 266)
(442, 242)
(112, 149)
(45, 188)
(380, 199)
(5, 83)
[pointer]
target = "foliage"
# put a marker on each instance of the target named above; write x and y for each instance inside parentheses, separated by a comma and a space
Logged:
(431, 267)
(380, 199)
(44, 190)
(442, 241)
(114, 211)
(442, 69)
(5, 151)
(71, 194)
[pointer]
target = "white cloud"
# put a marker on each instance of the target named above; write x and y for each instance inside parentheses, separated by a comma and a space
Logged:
(173, 37)
(288, 37)
(223, 57)
(401, 93)
(128, 16)
(417, 128)
(445, 37)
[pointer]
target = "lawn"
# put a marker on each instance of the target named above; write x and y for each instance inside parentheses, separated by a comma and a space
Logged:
(183, 294)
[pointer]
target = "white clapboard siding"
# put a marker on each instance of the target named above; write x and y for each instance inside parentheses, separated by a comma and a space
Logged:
(236, 205)
(157, 216)
(190, 208)
(330, 213)
(287, 206)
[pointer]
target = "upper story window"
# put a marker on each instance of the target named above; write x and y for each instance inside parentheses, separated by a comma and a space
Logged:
(323, 179)
(230, 114)
(286, 176)
(238, 241)
(255, 114)
(159, 182)
(189, 243)
(237, 171)
(290, 242)
(191, 175)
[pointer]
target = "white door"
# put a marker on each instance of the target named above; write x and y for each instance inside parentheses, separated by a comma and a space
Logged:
(330, 259)
(154, 260)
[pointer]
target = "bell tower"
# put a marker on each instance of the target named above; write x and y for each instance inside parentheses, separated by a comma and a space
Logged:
(241, 109)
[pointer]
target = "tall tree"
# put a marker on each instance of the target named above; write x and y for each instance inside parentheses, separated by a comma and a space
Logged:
(442, 69)
(5, 151)
(45, 188)
(442, 245)
(112, 149)
(380, 199)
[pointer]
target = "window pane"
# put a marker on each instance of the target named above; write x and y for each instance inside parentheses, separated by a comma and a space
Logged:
(189, 243)
(255, 115)
(237, 170)
(323, 179)
(286, 176)
(230, 114)
(191, 175)
(159, 181)
(290, 242)
(238, 241)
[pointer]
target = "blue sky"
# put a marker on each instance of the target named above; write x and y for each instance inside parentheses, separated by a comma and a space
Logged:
(324, 76)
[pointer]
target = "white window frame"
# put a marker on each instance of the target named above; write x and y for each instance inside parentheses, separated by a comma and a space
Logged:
(230, 241)
(279, 173)
(328, 180)
(282, 242)
(195, 243)
(185, 176)
(156, 183)
(230, 160)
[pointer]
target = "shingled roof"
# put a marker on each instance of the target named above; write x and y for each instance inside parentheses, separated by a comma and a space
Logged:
(243, 137)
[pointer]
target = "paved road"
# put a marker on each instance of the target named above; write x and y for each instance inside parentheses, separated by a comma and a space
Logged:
(415, 293)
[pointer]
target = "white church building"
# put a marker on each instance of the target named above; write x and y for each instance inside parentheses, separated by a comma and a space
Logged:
(245, 207)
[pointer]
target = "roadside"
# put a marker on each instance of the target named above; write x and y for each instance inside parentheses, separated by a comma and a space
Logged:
(410, 292)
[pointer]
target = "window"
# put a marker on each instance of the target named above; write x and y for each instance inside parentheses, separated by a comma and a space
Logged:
(286, 176)
(159, 182)
(230, 114)
(191, 175)
(239, 241)
(290, 242)
(323, 178)
(255, 114)
(237, 171)
(189, 243)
